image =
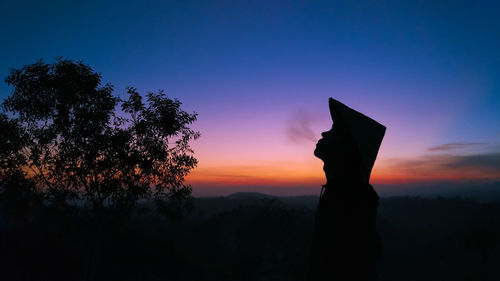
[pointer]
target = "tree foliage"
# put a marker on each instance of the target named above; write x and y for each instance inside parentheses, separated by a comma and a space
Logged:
(75, 140)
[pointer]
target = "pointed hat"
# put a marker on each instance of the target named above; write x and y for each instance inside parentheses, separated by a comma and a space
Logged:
(366, 133)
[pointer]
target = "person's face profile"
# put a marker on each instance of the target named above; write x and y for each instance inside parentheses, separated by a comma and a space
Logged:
(325, 146)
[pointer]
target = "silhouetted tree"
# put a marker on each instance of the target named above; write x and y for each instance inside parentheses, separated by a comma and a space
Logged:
(64, 132)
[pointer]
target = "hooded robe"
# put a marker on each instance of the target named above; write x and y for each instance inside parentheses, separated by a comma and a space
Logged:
(345, 243)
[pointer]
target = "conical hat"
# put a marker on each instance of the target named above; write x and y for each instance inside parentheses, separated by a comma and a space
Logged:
(366, 133)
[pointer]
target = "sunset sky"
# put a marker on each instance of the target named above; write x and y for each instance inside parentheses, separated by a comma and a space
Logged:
(259, 74)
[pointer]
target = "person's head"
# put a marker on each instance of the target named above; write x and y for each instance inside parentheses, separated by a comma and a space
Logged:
(339, 153)
(350, 148)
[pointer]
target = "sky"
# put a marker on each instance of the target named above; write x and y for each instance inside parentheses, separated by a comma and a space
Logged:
(259, 74)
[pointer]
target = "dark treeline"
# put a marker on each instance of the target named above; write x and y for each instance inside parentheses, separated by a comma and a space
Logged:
(244, 237)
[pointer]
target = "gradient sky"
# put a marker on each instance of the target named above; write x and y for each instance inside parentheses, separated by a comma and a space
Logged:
(259, 73)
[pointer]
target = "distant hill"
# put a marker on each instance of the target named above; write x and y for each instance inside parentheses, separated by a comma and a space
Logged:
(250, 195)
(205, 206)
(482, 191)
(475, 190)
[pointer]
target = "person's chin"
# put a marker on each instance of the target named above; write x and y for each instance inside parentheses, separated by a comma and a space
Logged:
(317, 153)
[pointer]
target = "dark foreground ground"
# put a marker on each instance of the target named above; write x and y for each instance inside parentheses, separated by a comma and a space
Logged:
(248, 237)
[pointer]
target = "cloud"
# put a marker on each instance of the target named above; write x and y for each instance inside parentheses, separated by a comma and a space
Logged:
(299, 127)
(448, 166)
(456, 146)
(486, 161)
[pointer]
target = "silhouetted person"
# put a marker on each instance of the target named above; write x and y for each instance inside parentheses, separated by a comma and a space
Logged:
(346, 244)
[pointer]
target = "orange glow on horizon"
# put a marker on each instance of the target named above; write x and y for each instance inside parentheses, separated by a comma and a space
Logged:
(299, 174)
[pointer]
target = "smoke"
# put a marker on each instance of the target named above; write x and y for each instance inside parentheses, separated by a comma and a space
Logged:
(299, 127)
